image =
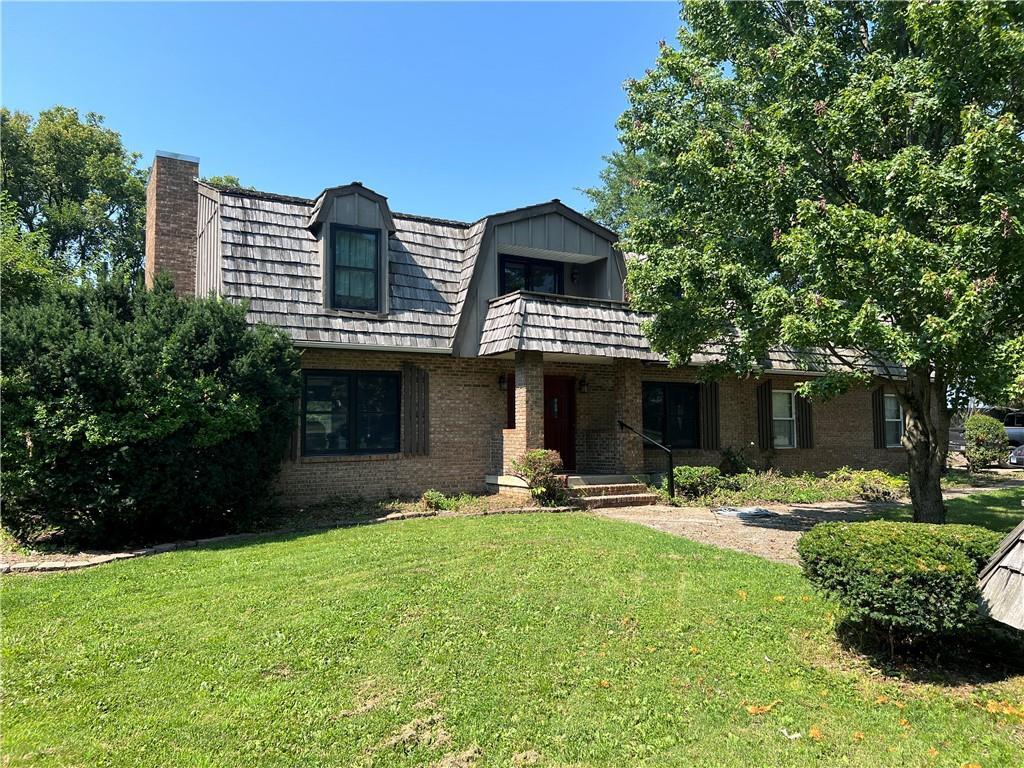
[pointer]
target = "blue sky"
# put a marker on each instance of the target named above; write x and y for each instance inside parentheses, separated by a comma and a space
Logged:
(451, 110)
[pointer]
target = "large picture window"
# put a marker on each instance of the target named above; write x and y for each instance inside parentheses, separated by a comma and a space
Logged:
(670, 413)
(355, 265)
(893, 412)
(530, 275)
(350, 412)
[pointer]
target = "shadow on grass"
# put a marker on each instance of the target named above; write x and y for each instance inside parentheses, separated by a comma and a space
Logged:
(989, 653)
(999, 510)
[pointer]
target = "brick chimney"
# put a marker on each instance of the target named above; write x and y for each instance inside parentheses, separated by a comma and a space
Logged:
(172, 210)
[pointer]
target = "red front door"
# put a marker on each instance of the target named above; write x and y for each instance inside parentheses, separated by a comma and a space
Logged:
(560, 417)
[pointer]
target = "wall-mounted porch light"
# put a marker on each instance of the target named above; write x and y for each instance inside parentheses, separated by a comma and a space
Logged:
(574, 274)
(503, 382)
(584, 385)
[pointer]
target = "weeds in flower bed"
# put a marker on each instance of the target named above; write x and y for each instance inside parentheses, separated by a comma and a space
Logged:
(708, 486)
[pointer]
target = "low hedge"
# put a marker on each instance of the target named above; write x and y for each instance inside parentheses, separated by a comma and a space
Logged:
(906, 581)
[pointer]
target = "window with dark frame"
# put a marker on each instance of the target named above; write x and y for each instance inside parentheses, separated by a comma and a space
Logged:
(355, 268)
(519, 274)
(349, 412)
(671, 413)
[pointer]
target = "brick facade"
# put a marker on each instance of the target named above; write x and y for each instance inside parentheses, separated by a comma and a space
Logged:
(172, 211)
(469, 438)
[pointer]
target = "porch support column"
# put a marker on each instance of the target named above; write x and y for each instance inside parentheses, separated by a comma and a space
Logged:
(629, 451)
(530, 398)
(529, 408)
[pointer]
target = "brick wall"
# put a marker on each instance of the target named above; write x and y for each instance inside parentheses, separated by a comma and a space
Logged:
(469, 438)
(841, 427)
(172, 210)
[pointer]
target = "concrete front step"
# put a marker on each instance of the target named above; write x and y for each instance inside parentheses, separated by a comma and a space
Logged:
(579, 481)
(619, 500)
(616, 489)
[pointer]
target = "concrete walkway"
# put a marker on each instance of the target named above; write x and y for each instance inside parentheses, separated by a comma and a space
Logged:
(773, 538)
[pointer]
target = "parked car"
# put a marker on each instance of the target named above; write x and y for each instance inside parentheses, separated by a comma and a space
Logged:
(1016, 456)
(1014, 423)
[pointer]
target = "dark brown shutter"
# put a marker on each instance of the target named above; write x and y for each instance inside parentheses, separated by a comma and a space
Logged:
(295, 444)
(878, 416)
(710, 439)
(510, 401)
(804, 423)
(764, 416)
(415, 411)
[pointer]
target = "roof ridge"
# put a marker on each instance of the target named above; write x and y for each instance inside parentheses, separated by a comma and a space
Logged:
(432, 219)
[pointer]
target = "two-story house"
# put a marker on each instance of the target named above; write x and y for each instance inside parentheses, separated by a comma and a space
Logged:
(435, 351)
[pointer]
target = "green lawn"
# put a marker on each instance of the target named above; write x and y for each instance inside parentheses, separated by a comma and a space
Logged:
(996, 510)
(576, 640)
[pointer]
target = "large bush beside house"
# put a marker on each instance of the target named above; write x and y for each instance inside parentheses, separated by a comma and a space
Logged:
(905, 582)
(985, 441)
(133, 416)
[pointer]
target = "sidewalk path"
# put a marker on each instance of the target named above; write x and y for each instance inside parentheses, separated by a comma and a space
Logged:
(772, 538)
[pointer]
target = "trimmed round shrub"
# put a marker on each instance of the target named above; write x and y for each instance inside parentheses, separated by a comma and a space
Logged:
(904, 581)
(693, 482)
(985, 441)
(134, 416)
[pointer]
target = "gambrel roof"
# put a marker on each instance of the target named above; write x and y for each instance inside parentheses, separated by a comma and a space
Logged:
(270, 257)
(267, 253)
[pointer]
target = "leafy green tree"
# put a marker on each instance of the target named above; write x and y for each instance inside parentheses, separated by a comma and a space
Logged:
(843, 178)
(25, 266)
(72, 179)
(225, 181)
(133, 415)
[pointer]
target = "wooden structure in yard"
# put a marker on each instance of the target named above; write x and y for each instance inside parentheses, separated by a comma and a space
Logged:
(1002, 581)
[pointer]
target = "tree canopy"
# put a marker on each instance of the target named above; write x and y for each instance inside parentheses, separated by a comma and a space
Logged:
(71, 178)
(841, 177)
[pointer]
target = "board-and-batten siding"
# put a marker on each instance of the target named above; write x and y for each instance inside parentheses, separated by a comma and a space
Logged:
(549, 232)
(208, 247)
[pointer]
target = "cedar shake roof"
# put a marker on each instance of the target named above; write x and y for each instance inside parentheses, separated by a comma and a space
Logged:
(543, 322)
(269, 256)
(1002, 581)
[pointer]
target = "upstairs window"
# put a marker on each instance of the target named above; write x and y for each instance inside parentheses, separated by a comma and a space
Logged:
(355, 263)
(670, 413)
(350, 412)
(519, 274)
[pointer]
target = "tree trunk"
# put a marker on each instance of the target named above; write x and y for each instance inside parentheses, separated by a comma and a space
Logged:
(927, 441)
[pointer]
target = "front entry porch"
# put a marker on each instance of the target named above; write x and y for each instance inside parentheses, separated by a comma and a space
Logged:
(572, 405)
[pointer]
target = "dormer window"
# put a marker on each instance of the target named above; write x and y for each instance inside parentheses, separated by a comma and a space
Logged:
(355, 268)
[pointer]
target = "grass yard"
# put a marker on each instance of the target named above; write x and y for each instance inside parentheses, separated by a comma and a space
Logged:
(531, 639)
(996, 510)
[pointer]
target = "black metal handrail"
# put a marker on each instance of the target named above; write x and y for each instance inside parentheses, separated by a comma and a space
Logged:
(656, 444)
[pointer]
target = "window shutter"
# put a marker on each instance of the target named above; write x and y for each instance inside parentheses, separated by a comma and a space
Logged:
(415, 411)
(710, 439)
(764, 416)
(295, 444)
(804, 423)
(878, 416)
